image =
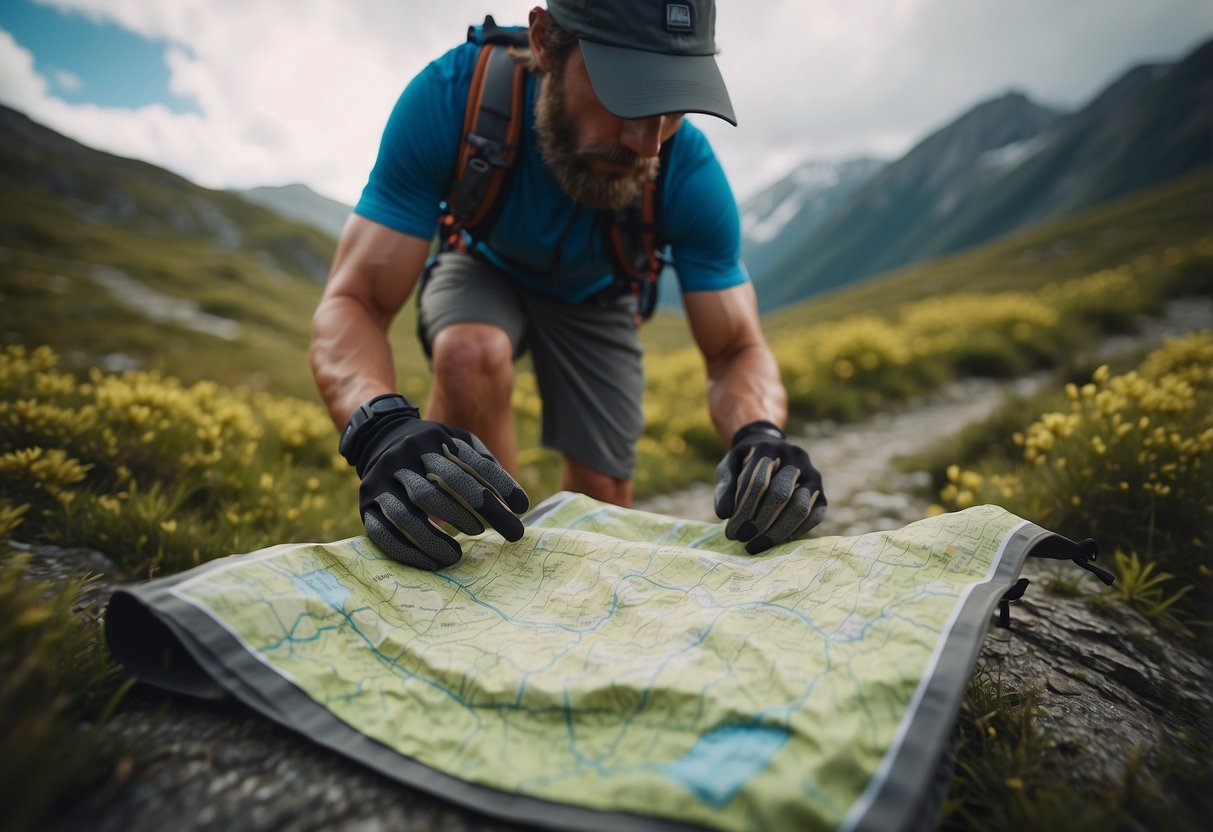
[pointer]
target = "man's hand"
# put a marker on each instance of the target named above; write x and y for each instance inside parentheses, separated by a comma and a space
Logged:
(767, 489)
(413, 469)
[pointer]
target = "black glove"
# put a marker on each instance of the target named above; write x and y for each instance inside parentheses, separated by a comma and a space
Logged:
(767, 489)
(411, 468)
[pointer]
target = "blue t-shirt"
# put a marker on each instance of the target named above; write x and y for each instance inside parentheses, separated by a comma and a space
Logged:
(541, 237)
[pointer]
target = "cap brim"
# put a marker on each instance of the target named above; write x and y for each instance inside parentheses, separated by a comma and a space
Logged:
(632, 83)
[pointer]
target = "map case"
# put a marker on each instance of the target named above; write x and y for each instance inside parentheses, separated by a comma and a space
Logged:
(613, 669)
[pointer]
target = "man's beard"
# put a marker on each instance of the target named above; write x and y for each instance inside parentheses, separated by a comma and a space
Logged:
(573, 167)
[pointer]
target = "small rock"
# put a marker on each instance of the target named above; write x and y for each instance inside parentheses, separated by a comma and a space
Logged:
(1058, 683)
(891, 504)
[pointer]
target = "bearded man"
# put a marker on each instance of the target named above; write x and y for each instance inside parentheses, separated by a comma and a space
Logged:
(609, 86)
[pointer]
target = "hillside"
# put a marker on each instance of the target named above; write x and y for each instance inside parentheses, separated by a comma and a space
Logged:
(1174, 214)
(299, 202)
(117, 263)
(1105, 237)
(121, 264)
(1004, 166)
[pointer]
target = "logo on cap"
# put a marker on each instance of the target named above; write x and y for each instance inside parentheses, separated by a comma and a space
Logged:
(677, 17)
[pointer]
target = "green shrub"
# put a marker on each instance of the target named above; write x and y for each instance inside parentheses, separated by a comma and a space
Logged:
(57, 689)
(1129, 462)
(159, 475)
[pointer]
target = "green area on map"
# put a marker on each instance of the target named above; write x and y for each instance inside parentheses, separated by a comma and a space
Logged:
(623, 661)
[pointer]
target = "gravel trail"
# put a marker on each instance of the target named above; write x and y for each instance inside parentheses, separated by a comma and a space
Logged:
(866, 491)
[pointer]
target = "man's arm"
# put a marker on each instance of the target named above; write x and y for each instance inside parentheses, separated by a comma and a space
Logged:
(411, 469)
(743, 379)
(373, 274)
(767, 489)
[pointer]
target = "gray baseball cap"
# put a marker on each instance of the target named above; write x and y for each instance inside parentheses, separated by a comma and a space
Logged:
(649, 57)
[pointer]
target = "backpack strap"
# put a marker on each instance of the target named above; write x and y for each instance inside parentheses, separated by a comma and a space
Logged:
(634, 241)
(492, 129)
(492, 126)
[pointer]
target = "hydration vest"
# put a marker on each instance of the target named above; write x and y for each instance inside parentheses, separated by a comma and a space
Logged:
(492, 129)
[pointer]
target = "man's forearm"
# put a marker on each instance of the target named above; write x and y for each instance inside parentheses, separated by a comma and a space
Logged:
(350, 356)
(374, 271)
(745, 387)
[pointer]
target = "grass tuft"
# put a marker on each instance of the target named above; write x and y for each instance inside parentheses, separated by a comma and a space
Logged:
(58, 688)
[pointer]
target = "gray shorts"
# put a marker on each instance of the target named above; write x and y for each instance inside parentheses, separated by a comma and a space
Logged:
(587, 358)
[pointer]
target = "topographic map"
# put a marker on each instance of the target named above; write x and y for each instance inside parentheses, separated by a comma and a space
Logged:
(612, 669)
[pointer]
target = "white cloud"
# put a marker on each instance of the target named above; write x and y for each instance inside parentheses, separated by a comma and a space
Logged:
(298, 90)
(67, 81)
(288, 90)
(20, 86)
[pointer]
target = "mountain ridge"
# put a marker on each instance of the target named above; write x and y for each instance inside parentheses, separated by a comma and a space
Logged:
(1004, 165)
(796, 205)
(299, 202)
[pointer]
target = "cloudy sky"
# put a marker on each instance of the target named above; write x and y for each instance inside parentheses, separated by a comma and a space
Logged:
(239, 93)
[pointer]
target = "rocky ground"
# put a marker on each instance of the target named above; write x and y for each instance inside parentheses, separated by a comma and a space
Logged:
(1112, 687)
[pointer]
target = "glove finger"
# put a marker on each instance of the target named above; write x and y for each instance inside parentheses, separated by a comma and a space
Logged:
(802, 512)
(446, 473)
(816, 514)
(726, 488)
(385, 536)
(393, 543)
(412, 532)
(755, 480)
(427, 496)
(476, 460)
(728, 481)
(777, 498)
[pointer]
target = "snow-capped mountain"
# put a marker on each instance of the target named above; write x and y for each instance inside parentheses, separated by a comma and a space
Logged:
(814, 186)
(786, 212)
